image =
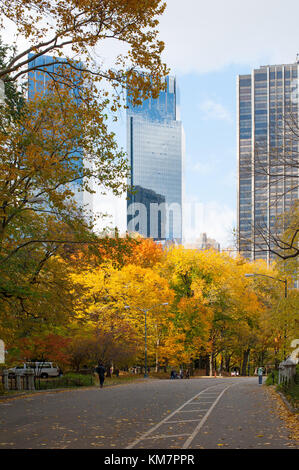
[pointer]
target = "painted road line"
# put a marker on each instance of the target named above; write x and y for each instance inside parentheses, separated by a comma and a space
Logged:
(200, 408)
(165, 420)
(190, 411)
(210, 395)
(199, 403)
(165, 436)
(202, 422)
(183, 421)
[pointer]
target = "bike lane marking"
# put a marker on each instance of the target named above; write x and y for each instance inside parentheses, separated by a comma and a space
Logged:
(203, 420)
(178, 410)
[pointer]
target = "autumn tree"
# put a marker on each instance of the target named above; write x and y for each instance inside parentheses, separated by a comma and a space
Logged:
(145, 252)
(216, 311)
(76, 33)
(39, 348)
(58, 143)
(100, 346)
(114, 301)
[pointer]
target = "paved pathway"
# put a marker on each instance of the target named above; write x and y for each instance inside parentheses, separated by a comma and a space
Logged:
(157, 414)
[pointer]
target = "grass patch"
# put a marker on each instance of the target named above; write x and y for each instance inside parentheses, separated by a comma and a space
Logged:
(291, 391)
(69, 380)
(10, 393)
(270, 380)
(122, 379)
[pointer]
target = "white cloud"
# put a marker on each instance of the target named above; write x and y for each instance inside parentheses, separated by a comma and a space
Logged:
(113, 207)
(206, 36)
(212, 110)
(215, 219)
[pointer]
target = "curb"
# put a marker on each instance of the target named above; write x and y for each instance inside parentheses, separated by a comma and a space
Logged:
(58, 390)
(9, 397)
(41, 392)
(288, 404)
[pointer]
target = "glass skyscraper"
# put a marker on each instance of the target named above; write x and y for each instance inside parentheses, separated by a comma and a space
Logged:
(155, 142)
(267, 101)
(38, 82)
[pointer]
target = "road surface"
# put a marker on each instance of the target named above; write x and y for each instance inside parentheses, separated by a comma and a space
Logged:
(233, 413)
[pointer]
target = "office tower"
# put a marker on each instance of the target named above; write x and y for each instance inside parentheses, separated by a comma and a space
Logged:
(267, 103)
(155, 139)
(153, 225)
(38, 83)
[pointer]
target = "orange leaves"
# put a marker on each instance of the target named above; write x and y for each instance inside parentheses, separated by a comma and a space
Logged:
(146, 253)
(210, 307)
(49, 347)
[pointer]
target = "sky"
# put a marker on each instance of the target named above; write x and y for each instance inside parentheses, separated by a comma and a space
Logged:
(207, 44)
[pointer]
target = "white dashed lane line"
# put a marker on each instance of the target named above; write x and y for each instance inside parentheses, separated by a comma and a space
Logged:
(202, 399)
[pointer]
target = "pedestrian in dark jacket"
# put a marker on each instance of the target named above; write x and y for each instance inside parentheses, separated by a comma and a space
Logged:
(100, 370)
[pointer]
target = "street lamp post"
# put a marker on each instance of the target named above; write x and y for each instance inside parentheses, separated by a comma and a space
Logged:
(275, 279)
(145, 310)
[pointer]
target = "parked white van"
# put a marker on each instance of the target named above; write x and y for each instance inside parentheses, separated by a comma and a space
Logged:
(41, 369)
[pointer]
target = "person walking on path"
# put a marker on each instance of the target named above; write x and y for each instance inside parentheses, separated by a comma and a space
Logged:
(100, 370)
(260, 374)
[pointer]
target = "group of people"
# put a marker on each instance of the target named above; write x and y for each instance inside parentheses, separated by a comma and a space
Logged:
(183, 374)
(100, 370)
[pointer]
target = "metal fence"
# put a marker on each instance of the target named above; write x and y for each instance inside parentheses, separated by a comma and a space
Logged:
(63, 382)
(29, 381)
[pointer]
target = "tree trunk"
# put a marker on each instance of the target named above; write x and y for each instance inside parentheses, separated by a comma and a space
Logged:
(221, 365)
(276, 360)
(108, 373)
(227, 362)
(245, 360)
(191, 368)
(211, 365)
(262, 358)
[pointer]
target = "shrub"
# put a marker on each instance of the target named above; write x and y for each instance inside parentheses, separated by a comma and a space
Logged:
(269, 379)
(67, 380)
